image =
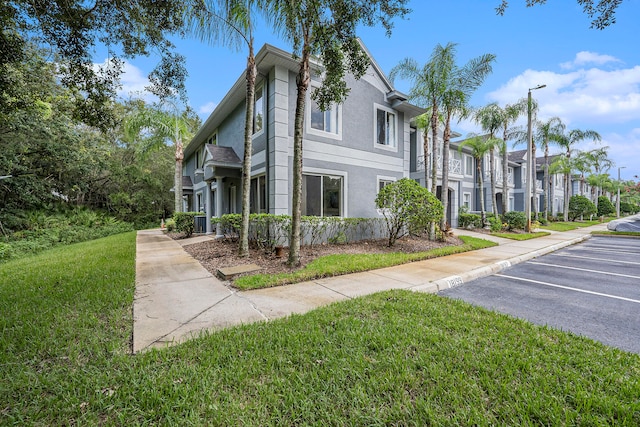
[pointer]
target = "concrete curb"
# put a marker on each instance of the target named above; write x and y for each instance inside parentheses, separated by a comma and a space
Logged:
(457, 280)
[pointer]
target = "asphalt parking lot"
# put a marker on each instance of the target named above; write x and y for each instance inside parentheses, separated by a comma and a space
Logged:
(591, 289)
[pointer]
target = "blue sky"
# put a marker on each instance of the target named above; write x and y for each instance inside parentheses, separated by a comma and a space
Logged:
(592, 76)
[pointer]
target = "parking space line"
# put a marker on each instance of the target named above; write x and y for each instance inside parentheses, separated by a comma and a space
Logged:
(597, 259)
(568, 288)
(584, 269)
(615, 251)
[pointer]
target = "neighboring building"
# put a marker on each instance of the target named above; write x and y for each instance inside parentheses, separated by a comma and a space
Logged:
(349, 152)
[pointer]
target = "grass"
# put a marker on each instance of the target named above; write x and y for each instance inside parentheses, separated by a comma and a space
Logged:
(568, 226)
(616, 233)
(334, 265)
(392, 358)
(521, 236)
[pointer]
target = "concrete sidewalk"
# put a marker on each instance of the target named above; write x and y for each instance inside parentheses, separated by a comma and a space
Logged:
(176, 298)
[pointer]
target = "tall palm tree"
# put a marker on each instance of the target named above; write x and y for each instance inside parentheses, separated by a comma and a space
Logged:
(428, 85)
(463, 83)
(491, 119)
(511, 113)
(544, 132)
(230, 22)
(480, 146)
(568, 140)
(599, 159)
(325, 29)
(175, 127)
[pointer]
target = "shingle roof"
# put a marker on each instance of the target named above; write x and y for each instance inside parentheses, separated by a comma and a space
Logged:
(517, 156)
(223, 156)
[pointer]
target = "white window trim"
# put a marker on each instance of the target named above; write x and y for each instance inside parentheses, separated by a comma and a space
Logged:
(466, 157)
(343, 174)
(260, 89)
(383, 178)
(307, 119)
(470, 200)
(393, 147)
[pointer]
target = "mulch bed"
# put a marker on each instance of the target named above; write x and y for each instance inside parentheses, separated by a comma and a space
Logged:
(215, 254)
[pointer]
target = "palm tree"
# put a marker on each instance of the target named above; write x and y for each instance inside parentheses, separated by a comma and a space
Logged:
(427, 90)
(544, 132)
(326, 29)
(423, 123)
(491, 118)
(174, 127)
(567, 140)
(480, 146)
(599, 160)
(464, 81)
(511, 113)
(231, 22)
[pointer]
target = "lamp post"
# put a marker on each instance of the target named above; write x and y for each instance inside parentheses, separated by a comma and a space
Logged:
(527, 199)
(618, 198)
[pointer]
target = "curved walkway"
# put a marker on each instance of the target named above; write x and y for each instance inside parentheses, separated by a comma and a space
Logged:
(176, 298)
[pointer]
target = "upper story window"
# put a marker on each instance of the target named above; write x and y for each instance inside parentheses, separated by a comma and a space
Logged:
(213, 139)
(468, 165)
(386, 125)
(324, 123)
(258, 111)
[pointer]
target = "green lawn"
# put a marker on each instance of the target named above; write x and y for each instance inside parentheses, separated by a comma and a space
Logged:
(521, 236)
(393, 358)
(334, 265)
(567, 226)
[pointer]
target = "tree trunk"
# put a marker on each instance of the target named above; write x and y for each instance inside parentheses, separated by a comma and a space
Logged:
(505, 178)
(302, 82)
(425, 145)
(567, 196)
(243, 249)
(492, 173)
(177, 179)
(483, 216)
(444, 194)
(547, 187)
(434, 150)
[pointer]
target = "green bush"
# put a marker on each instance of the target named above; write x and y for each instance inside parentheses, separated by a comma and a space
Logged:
(495, 222)
(629, 208)
(407, 207)
(580, 206)
(170, 225)
(605, 207)
(185, 222)
(469, 220)
(515, 220)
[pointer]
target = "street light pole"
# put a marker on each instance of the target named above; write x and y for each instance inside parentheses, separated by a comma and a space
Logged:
(527, 199)
(618, 198)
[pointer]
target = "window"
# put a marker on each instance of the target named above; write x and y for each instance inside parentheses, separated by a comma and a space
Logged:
(322, 195)
(385, 131)
(199, 203)
(524, 175)
(324, 121)
(384, 181)
(213, 139)
(258, 197)
(258, 111)
(468, 165)
(466, 200)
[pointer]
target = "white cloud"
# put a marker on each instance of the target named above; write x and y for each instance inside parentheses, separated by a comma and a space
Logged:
(585, 57)
(583, 96)
(207, 108)
(133, 81)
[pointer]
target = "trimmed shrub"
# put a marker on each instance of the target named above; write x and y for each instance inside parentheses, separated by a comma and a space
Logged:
(495, 222)
(185, 222)
(580, 206)
(515, 220)
(469, 220)
(407, 207)
(629, 208)
(605, 207)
